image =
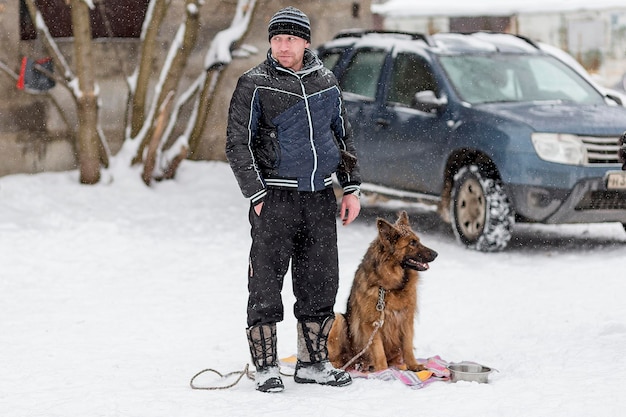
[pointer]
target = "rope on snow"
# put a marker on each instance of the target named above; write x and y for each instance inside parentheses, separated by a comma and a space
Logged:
(245, 372)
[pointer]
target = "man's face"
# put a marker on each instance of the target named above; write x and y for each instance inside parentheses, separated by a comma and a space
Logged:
(288, 50)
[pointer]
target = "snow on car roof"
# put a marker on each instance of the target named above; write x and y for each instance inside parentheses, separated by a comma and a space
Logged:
(484, 41)
(443, 42)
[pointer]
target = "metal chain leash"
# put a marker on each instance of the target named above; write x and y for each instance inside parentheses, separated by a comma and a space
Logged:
(380, 306)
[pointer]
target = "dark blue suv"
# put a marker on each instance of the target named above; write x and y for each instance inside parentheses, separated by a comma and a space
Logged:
(488, 126)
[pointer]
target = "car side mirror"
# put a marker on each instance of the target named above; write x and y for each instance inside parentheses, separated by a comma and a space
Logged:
(428, 101)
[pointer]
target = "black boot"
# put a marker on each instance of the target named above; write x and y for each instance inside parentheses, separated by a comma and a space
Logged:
(313, 365)
(262, 341)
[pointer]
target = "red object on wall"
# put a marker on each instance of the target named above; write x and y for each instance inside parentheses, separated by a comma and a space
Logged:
(31, 77)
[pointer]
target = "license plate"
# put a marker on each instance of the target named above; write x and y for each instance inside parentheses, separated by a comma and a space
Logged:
(616, 180)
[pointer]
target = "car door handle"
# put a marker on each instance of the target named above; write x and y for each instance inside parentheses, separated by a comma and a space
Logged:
(382, 122)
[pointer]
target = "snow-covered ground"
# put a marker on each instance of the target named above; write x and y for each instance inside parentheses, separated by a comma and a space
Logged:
(113, 296)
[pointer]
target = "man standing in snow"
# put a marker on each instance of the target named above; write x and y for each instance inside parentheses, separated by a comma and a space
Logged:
(287, 134)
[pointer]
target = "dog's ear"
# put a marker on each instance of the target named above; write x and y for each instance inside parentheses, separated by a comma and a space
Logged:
(386, 231)
(382, 224)
(403, 219)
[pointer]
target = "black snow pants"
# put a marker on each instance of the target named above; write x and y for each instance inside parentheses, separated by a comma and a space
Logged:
(299, 227)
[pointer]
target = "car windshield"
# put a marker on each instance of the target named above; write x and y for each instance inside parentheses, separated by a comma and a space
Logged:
(502, 78)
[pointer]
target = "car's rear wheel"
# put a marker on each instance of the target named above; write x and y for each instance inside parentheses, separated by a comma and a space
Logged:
(482, 216)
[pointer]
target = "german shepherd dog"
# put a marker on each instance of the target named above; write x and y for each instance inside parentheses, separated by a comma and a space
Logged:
(385, 286)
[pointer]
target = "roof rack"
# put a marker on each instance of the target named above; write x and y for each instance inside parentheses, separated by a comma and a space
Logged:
(528, 40)
(521, 37)
(358, 33)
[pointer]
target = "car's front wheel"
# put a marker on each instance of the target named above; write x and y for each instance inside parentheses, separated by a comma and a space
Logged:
(482, 216)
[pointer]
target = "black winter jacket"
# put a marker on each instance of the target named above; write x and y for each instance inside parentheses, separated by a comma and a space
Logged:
(289, 129)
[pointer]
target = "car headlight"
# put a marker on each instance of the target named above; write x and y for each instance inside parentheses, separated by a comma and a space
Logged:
(561, 148)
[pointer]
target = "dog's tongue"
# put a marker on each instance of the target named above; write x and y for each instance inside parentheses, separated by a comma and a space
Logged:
(420, 266)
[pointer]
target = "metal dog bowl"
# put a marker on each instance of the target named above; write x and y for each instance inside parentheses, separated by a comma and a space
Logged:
(469, 371)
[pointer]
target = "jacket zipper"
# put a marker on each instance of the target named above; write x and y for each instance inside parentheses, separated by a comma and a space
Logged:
(308, 115)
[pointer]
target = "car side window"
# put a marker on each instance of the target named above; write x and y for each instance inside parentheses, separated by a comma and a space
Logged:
(410, 74)
(362, 74)
(330, 59)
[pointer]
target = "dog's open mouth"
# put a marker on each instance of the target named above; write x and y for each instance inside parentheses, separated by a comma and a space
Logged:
(415, 264)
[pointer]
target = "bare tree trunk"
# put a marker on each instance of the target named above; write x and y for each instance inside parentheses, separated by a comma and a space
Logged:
(158, 9)
(88, 141)
(207, 94)
(151, 155)
(174, 71)
(217, 63)
(91, 149)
